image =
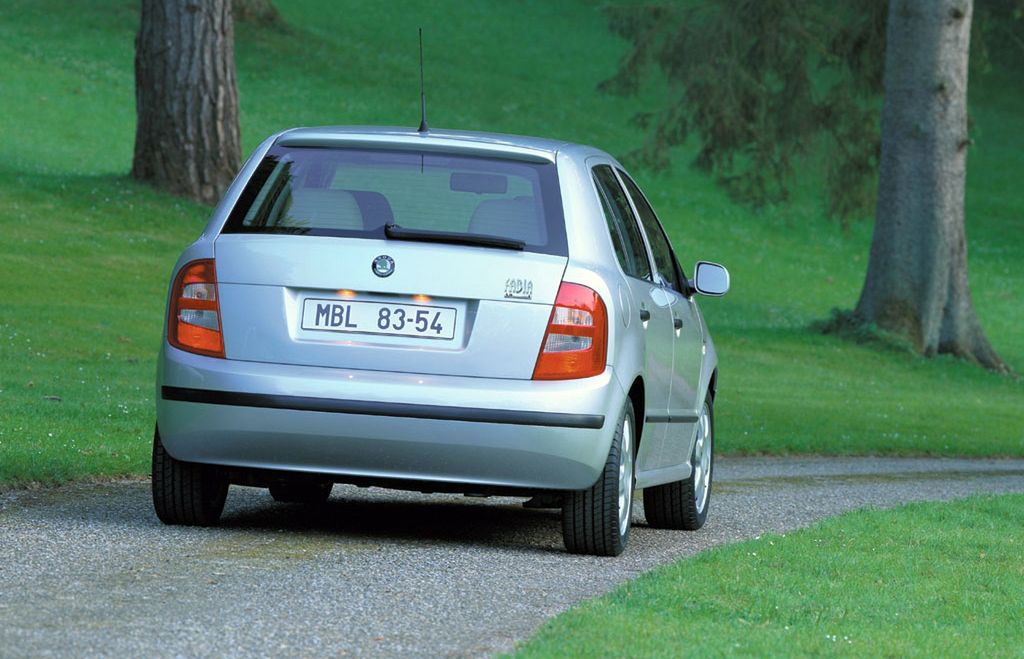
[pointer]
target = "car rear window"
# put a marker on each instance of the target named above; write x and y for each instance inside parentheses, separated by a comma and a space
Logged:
(355, 192)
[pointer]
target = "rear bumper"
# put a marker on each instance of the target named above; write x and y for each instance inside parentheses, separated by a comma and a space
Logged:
(376, 425)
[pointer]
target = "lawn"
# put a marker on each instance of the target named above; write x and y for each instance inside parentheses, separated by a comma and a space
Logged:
(86, 253)
(894, 583)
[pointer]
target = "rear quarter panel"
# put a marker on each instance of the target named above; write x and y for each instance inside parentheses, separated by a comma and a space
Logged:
(592, 261)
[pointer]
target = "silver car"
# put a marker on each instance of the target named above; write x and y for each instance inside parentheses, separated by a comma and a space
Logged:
(438, 311)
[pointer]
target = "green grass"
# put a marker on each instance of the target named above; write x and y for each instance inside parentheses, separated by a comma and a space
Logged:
(85, 275)
(85, 253)
(921, 580)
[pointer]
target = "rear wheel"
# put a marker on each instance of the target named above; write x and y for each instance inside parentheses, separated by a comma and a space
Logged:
(186, 492)
(302, 491)
(597, 520)
(684, 504)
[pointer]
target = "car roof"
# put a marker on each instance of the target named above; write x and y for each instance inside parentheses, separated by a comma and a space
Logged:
(520, 147)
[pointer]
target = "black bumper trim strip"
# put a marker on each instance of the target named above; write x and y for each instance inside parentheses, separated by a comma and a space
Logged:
(377, 408)
(672, 418)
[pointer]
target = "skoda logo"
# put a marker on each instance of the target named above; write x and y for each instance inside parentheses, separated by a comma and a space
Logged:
(383, 266)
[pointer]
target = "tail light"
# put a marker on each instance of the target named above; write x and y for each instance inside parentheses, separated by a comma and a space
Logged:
(576, 342)
(193, 323)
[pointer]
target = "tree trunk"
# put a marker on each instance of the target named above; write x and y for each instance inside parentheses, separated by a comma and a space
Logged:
(187, 140)
(916, 282)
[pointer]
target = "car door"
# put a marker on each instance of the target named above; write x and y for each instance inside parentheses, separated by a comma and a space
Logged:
(652, 308)
(688, 341)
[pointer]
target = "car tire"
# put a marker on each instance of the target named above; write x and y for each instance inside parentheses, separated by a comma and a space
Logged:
(305, 491)
(186, 493)
(684, 504)
(597, 520)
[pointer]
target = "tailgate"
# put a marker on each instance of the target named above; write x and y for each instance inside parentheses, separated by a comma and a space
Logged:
(445, 309)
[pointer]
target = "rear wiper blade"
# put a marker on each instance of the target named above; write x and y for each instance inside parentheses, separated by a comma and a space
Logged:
(396, 232)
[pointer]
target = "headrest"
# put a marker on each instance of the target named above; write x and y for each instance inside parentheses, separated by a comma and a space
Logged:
(320, 208)
(509, 218)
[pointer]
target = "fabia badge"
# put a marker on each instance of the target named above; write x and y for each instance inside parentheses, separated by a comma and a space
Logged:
(383, 266)
(518, 289)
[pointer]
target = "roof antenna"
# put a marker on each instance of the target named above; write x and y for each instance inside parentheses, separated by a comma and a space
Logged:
(423, 97)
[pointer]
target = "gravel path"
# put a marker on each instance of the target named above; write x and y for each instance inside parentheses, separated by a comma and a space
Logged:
(88, 569)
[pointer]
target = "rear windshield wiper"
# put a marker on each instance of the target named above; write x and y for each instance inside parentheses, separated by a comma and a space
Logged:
(396, 232)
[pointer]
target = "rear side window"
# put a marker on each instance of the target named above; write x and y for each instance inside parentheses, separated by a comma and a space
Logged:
(664, 259)
(354, 192)
(629, 245)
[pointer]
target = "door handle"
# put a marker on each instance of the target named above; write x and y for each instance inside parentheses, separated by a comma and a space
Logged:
(645, 315)
(678, 322)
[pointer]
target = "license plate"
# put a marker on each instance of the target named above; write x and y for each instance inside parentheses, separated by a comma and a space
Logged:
(428, 322)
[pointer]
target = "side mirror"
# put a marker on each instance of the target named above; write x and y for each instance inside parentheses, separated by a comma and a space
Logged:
(710, 278)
